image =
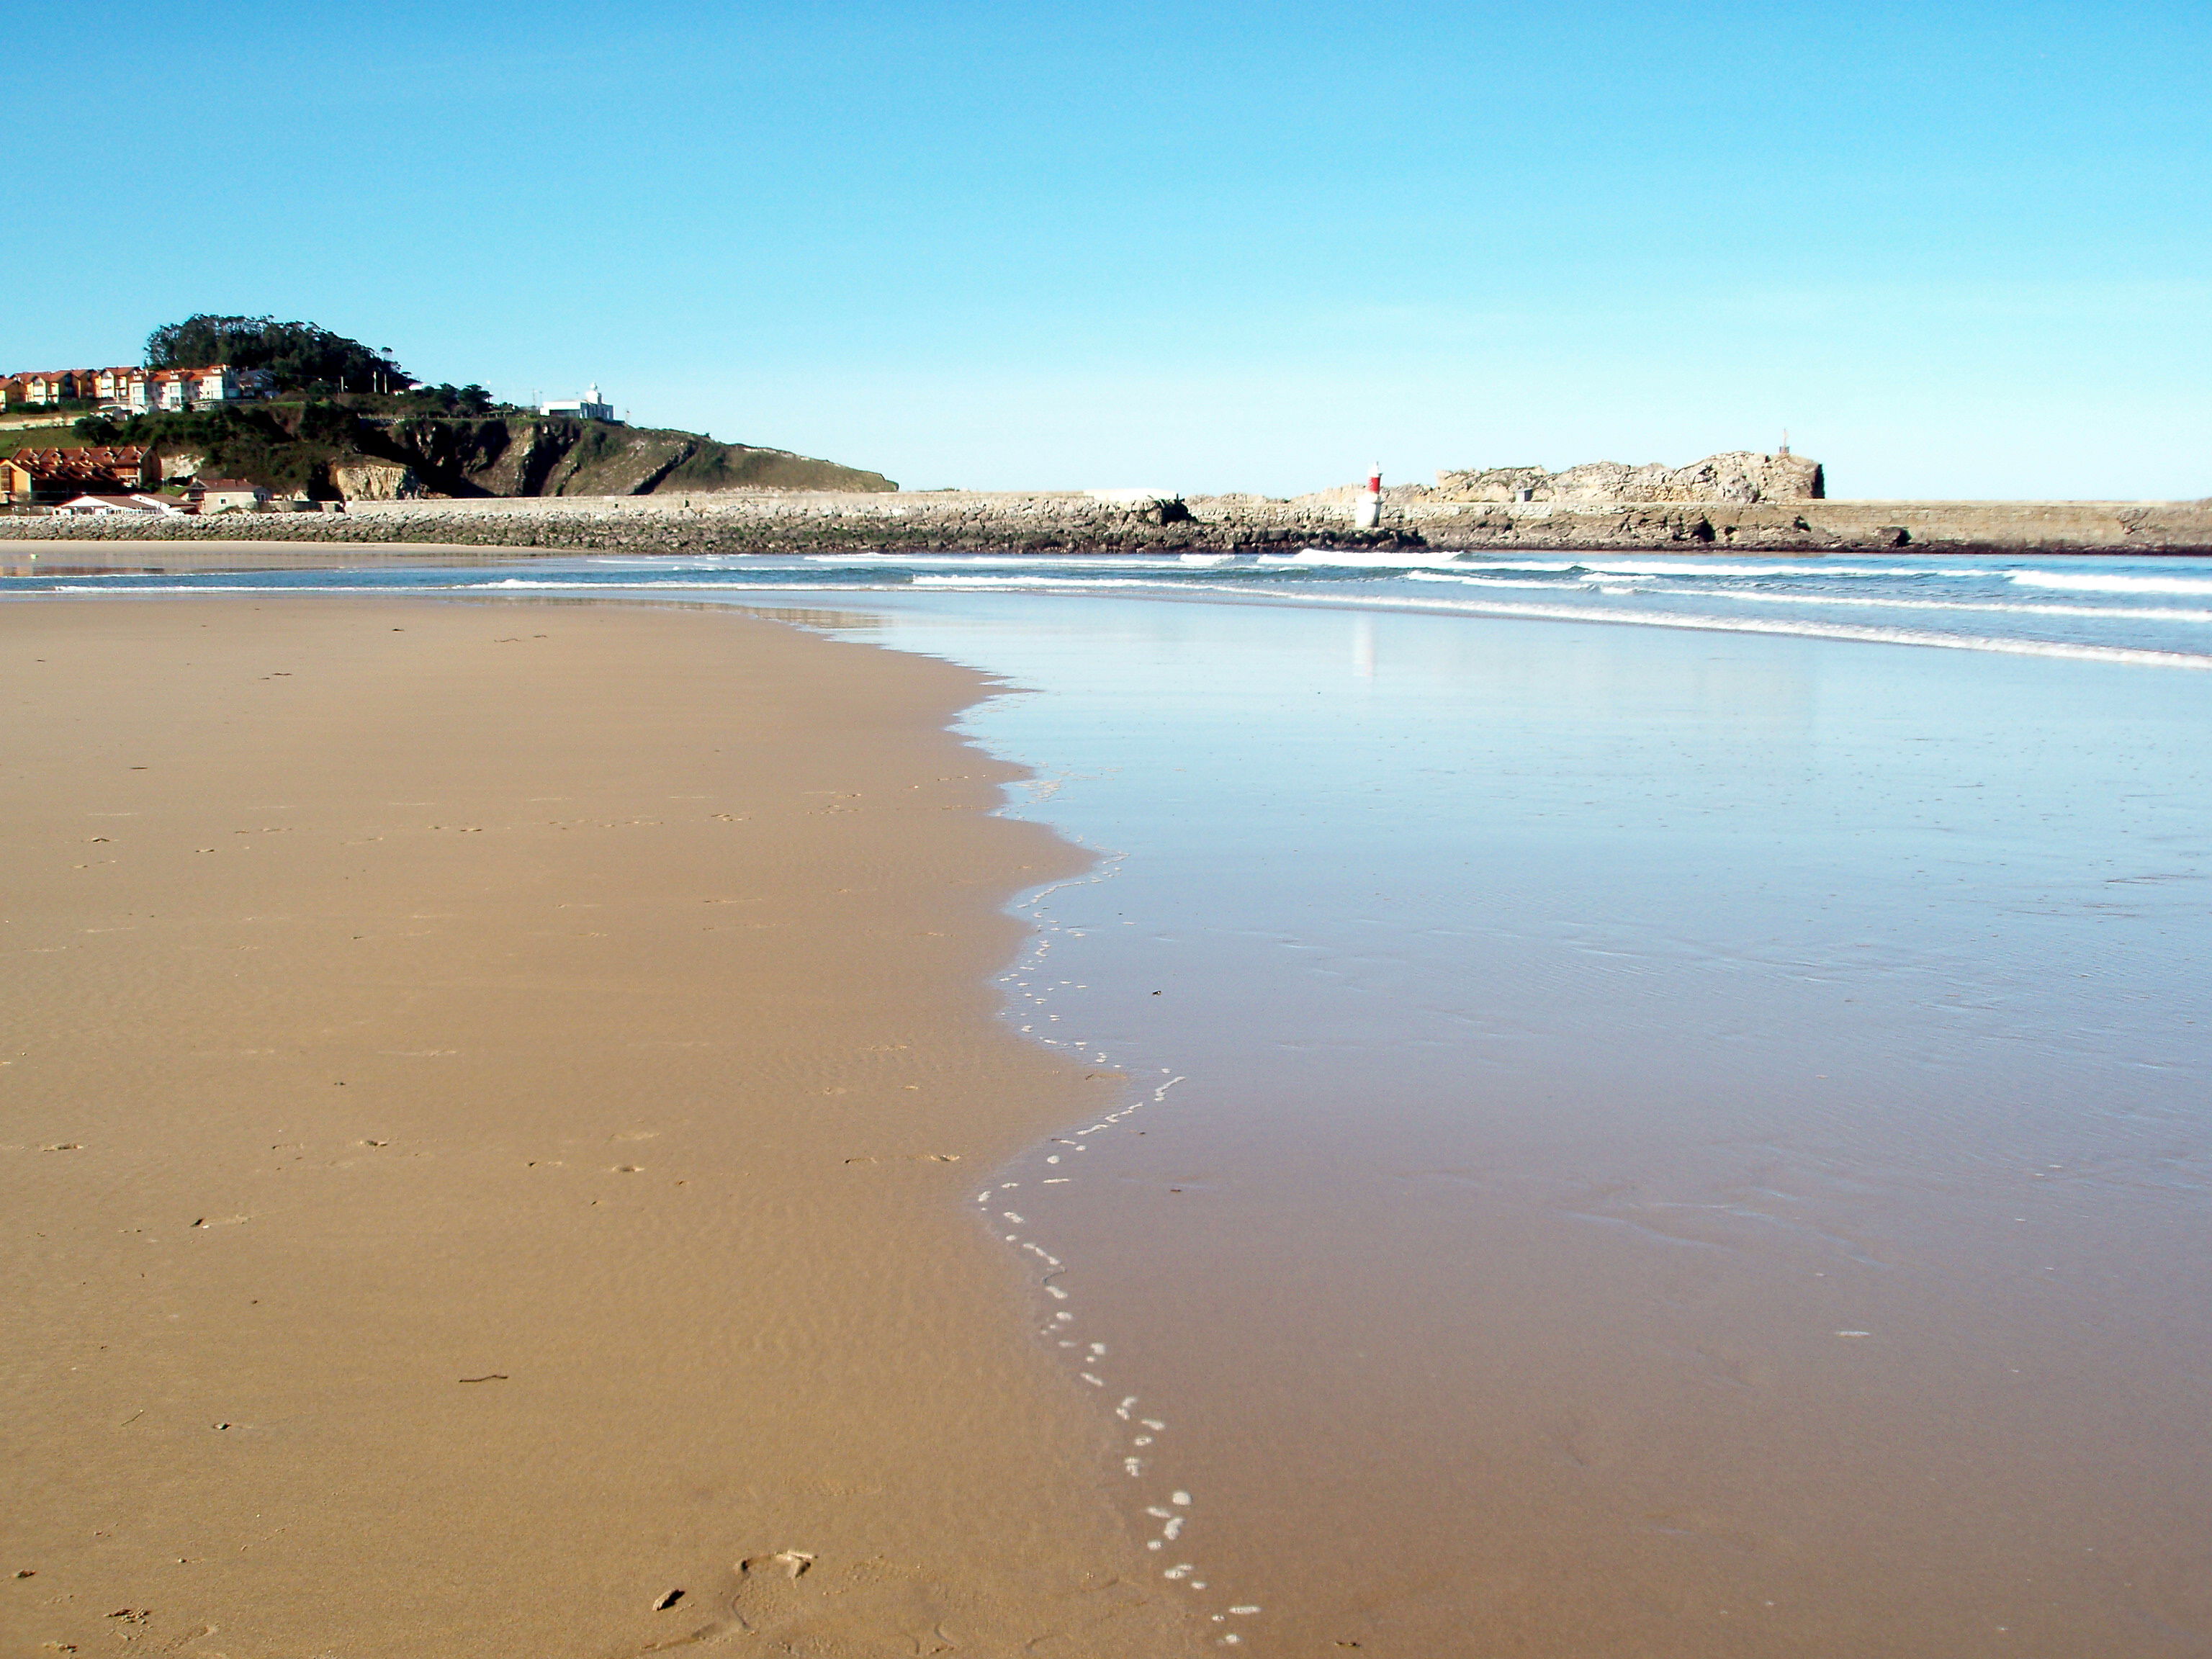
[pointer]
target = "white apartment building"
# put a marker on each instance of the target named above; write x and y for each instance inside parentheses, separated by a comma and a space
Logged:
(144, 391)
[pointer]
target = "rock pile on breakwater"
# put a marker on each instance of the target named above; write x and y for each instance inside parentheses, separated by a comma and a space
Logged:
(938, 521)
(1738, 476)
(951, 522)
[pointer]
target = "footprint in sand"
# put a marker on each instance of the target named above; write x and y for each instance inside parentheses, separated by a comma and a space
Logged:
(764, 1600)
(766, 1597)
(791, 1564)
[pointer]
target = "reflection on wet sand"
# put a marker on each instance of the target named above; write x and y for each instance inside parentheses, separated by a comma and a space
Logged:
(1687, 1146)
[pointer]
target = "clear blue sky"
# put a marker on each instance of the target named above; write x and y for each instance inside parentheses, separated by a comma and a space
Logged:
(1956, 250)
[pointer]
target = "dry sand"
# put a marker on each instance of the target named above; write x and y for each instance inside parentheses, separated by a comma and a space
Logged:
(479, 1109)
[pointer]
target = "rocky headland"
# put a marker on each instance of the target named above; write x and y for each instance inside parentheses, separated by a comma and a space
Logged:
(514, 454)
(311, 415)
(330, 451)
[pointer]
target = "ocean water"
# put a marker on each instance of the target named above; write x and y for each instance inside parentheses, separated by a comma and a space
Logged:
(1640, 1141)
(1666, 1117)
(2118, 610)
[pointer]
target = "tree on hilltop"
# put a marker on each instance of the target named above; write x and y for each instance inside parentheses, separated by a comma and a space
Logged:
(470, 399)
(302, 356)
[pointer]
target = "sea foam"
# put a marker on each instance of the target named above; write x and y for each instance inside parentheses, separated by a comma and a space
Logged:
(2112, 582)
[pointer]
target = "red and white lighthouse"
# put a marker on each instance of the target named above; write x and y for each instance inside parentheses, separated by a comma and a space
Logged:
(1367, 511)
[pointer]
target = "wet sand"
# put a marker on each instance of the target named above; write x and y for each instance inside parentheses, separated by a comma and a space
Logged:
(489, 1094)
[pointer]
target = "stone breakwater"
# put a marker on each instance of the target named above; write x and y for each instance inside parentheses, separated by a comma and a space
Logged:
(1737, 475)
(1073, 523)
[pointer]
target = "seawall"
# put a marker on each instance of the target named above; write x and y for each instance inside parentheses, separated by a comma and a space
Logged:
(1076, 523)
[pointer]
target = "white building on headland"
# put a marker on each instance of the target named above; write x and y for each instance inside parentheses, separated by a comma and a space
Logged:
(589, 407)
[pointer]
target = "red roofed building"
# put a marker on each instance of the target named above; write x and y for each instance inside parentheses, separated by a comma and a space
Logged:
(173, 390)
(141, 391)
(228, 495)
(114, 385)
(47, 476)
(53, 386)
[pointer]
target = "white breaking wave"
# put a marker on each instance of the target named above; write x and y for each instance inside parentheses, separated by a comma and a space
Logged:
(1611, 581)
(592, 587)
(1701, 565)
(2001, 607)
(1038, 583)
(991, 561)
(1480, 581)
(2112, 583)
(1347, 560)
(1914, 636)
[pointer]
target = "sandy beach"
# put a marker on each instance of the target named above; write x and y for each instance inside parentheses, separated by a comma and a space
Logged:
(490, 1093)
(1567, 1117)
(941, 833)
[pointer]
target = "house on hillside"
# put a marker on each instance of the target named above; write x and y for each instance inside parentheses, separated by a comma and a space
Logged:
(138, 391)
(43, 387)
(173, 391)
(218, 383)
(589, 407)
(227, 495)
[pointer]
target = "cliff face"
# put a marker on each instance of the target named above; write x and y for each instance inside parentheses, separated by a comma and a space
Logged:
(549, 456)
(1739, 475)
(375, 480)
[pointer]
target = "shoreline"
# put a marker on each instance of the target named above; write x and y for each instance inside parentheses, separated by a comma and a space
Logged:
(496, 1091)
(1075, 523)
